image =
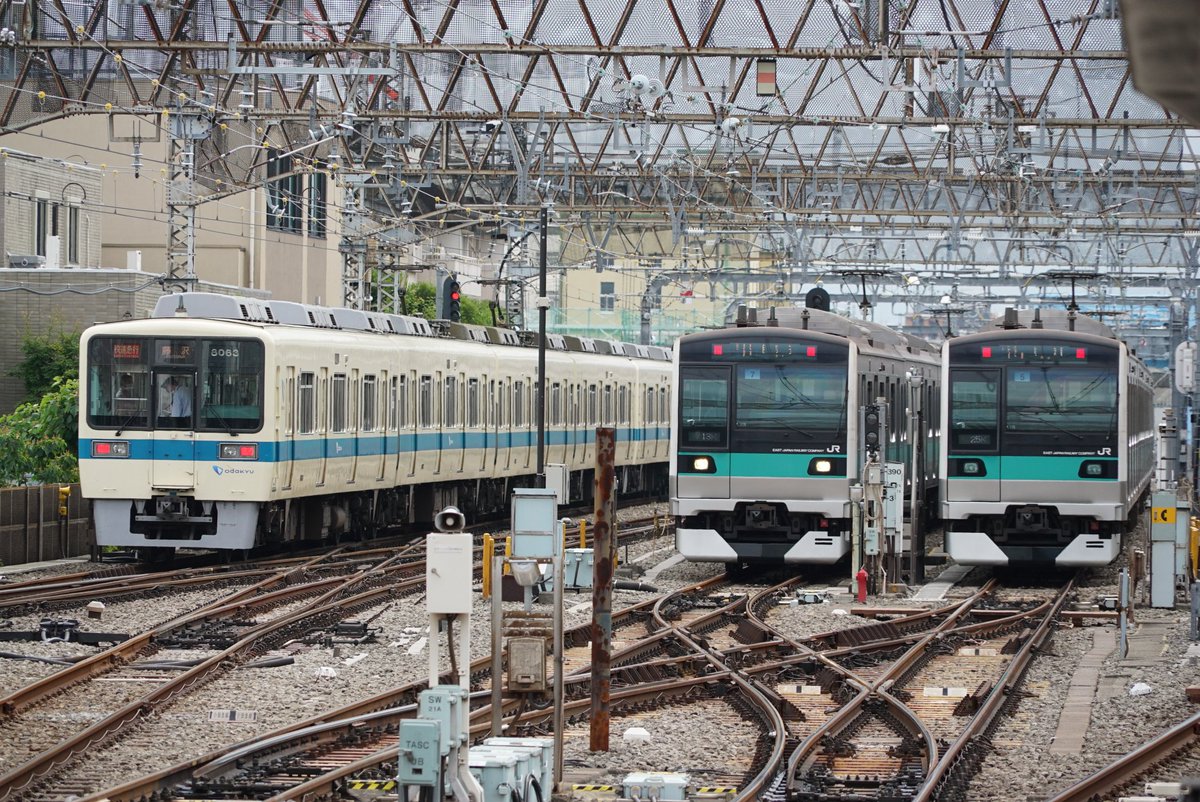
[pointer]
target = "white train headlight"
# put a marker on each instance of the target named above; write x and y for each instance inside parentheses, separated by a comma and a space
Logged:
(822, 466)
(701, 464)
(242, 451)
(698, 464)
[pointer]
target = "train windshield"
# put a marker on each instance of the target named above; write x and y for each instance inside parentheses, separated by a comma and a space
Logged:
(790, 406)
(174, 383)
(1071, 405)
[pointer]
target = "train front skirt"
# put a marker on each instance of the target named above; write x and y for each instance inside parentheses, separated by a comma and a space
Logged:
(976, 548)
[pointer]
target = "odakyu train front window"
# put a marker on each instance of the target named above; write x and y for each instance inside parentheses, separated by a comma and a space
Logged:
(789, 406)
(118, 383)
(1061, 407)
(230, 388)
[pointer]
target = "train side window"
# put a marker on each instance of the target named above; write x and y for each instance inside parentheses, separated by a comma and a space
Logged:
(370, 400)
(393, 408)
(518, 406)
(974, 410)
(307, 403)
(403, 403)
(425, 416)
(337, 403)
(473, 403)
(555, 404)
(450, 401)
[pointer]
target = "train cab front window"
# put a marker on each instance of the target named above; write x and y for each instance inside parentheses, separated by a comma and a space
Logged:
(704, 408)
(230, 393)
(118, 383)
(174, 383)
(974, 405)
(1066, 405)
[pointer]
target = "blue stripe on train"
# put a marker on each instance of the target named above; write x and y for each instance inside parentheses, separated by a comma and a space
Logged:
(364, 446)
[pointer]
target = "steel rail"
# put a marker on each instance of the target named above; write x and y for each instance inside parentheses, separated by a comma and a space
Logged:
(29, 772)
(331, 723)
(1184, 735)
(805, 754)
(940, 773)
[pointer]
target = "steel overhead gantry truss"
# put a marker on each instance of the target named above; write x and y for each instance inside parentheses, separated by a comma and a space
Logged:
(923, 124)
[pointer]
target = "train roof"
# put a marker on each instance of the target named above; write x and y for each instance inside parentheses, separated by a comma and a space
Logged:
(216, 306)
(867, 334)
(1052, 319)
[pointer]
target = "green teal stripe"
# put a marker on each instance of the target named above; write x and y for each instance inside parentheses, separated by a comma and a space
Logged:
(1047, 469)
(780, 466)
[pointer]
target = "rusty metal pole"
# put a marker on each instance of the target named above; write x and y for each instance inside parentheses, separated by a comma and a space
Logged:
(604, 541)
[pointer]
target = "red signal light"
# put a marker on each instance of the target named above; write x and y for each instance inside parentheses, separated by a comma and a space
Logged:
(454, 296)
(1081, 353)
(812, 350)
(987, 352)
(718, 350)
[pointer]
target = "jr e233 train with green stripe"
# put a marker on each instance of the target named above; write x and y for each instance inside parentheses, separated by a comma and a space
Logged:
(227, 423)
(1050, 441)
(768, 439)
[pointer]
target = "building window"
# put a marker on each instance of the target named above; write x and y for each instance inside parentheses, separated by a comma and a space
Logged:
(608, 296)
(73, 235)
(41, 227)
(316, 205)
(285, 207)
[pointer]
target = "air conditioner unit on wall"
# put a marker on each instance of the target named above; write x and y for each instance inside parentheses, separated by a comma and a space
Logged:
(29, 261)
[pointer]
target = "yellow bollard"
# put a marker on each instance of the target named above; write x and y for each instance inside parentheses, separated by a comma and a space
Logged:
(583, 534)
(507, 554)
(489, 548)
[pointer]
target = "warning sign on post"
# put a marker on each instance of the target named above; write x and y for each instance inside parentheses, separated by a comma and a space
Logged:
(1162, 515)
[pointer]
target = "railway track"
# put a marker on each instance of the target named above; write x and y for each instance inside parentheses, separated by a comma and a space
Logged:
(230, 629)
(1175, 752)
(248, 634)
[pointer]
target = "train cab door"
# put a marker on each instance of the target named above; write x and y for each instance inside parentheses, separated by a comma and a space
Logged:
(704, 457)
(973, 464)
(174, 464)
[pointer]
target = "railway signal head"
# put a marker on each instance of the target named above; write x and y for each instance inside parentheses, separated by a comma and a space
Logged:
(871, 420)
(454, 301)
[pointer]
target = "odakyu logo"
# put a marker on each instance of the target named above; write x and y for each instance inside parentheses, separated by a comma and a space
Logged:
(219, 471)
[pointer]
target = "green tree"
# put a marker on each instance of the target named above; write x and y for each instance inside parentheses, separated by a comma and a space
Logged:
(47, 358)
(40, 439)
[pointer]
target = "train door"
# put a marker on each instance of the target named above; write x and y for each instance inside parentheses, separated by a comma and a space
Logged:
(373, 447)
(354, 427)
(453, 420)
(285, 463)
(323, 425)
(522, 434)
(573, 422)
(408, 442)
(504, 439)
(174, 431)
(974, 465)
(704, 432)
(477, 424)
